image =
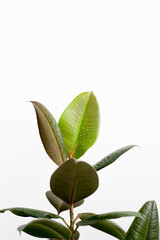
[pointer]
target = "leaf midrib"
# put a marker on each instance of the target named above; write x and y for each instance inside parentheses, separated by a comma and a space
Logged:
(80, 124)
(149, 220)
(74, 183)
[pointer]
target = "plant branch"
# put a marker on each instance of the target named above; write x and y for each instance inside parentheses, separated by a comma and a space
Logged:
(77, 217)
(71, 217)
(65, 222)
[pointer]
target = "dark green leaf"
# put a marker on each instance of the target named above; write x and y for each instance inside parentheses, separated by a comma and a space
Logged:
(111, 215)
(146, 228)
(76, 235)
(45, 228)
(50, 134)
(74, 181)
(28, 212)
(59, 204)
(107, 226)
(79, 124)
(112, 157)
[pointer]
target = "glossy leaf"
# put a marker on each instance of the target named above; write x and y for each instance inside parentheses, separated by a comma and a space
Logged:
(75, 236)
(59, 204)
(106, 226)
(74, 181)
(79, 124)
(146, 228)
(112, 157)
(28, 212)
(111, 215)
(50, 134)
(45, 228)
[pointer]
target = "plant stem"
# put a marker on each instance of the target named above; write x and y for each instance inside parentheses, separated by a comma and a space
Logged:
(65, 223)
(71, 218)
(77, 217)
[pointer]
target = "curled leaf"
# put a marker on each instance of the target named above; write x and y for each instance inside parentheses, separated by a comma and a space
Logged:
(50, 134)
(28, 212)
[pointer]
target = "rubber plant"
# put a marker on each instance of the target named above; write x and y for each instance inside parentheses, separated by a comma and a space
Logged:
(74, 180)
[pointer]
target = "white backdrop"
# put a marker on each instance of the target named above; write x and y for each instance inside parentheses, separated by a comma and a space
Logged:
(50, 51)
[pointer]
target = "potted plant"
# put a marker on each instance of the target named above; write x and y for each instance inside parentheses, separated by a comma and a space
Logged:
(75, 180)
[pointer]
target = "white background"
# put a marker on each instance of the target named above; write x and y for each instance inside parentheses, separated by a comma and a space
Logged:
(51, 51)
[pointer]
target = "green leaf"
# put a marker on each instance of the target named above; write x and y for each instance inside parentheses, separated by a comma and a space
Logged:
(59, 204)
(106, 226)
(112, 157)
(146, 228)
(79, 124)
(111, 215)
(50, 134)
(74, 181)
(76, 235)
(45, 228)
(28, 212)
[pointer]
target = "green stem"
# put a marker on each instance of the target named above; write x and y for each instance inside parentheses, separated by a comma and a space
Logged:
(71, 220)
(77, 217)
(76, 229)
(65, 223)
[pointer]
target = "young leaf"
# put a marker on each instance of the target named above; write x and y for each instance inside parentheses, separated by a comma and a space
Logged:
(28, 212)
(59, 204)
(106, 226)
(50, 134)
(79, 124)
(74, 181)
(112, 157)
(111, 215)
(146, 228)
(45, 228)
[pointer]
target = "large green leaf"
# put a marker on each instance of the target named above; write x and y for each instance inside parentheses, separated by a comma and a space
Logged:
(76, 236)
(112, 157)
(45, 228)
(74, 181)
(146, 228)
(106, 226)
(79, 124)
(111, 215)
(50, 134)
(28, 212)
(59, 204)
